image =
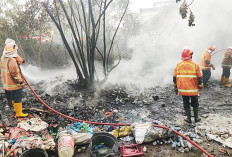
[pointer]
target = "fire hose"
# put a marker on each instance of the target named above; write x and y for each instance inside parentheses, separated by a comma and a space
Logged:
(217, 52)
(114, 124)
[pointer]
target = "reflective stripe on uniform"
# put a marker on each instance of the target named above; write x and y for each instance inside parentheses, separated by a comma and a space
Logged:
(202, 58)
(226, 65)
(188, 64)
(186, 71)
(190, 76)
(188, 91)
(11, 86)
(204, 67)
(17, 77)
(7, 71)
(9, 49)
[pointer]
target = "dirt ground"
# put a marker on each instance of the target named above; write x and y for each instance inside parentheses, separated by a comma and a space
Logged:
(158, 105)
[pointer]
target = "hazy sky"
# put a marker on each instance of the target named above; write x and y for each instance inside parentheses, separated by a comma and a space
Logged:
(135, 5)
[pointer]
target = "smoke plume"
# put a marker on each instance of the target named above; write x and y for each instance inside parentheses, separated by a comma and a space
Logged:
(157, 49)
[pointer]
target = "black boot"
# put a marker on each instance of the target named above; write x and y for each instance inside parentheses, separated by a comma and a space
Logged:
(188, 113)
(195, 111)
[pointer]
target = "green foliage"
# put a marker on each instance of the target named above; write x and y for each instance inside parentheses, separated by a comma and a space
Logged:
(30, 19)
(52, 55)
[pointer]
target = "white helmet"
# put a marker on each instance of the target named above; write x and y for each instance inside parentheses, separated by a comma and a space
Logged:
(8, 41)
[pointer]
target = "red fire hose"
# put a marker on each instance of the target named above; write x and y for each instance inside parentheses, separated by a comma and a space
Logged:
(117, 124)
(217, 52)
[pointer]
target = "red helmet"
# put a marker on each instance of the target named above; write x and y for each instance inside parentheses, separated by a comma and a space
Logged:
(212, 48)
(186, 53)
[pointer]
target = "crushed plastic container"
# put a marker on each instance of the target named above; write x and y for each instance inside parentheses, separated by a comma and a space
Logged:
(131, 150)
(65, 145)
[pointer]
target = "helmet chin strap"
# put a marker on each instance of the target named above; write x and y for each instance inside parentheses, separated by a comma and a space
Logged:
(210, 51)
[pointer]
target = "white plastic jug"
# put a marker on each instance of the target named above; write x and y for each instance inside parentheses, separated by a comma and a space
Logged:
(65, 145)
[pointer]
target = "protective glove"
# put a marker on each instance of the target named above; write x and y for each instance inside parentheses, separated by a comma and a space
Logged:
(175, 86)
(22, 84)
(213, 67)
(175, 89)
(201, 86)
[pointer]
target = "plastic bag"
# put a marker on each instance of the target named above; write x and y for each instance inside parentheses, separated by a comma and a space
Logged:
(123, 131)
(144, 133)
(79, 138)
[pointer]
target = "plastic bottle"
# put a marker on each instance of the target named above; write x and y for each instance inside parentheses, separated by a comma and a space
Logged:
(174, 144)
(181, 141)
(144, 149)
(65, 145)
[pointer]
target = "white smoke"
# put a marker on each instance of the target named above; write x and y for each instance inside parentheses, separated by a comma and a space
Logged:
(49, 78)
(157, 49)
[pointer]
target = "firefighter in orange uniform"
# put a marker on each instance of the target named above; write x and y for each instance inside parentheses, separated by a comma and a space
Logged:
(187, 80)
(11, 77)
(206, 65)
(226, 65)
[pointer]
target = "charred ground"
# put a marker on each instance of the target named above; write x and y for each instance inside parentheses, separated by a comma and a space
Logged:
(159, 105)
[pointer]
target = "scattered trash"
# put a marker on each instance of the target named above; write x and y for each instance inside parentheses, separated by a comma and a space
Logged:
(17, 132)
(199, 141)
(224, 151)
(100, 145)
(79, 138)
(127, 138)
(155, 97)
(174, 144)
(80, 127)
(131, 150)
(82, 133)
(123, 131)
(154, 143)
(37, 152)
(103, 144)
(33, 124)
(144, 149)
(216, 127)
(181, 149)
(145, 133)
(65, 145)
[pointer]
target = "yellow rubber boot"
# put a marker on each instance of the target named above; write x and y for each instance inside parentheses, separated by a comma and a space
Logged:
(227, 82)
(18, 110)
(223, 80)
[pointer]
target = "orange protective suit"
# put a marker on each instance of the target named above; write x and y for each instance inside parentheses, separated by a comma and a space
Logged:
(205, 57)
(227, 60)
(187, 73)
(10, 74)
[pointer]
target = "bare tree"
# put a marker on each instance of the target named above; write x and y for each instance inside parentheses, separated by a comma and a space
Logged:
(87, 22)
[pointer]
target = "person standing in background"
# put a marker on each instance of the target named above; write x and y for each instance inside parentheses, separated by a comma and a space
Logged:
(206, 65)
(187, 80)
(226, 66)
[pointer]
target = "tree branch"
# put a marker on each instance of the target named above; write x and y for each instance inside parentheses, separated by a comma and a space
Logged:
(112, 42)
